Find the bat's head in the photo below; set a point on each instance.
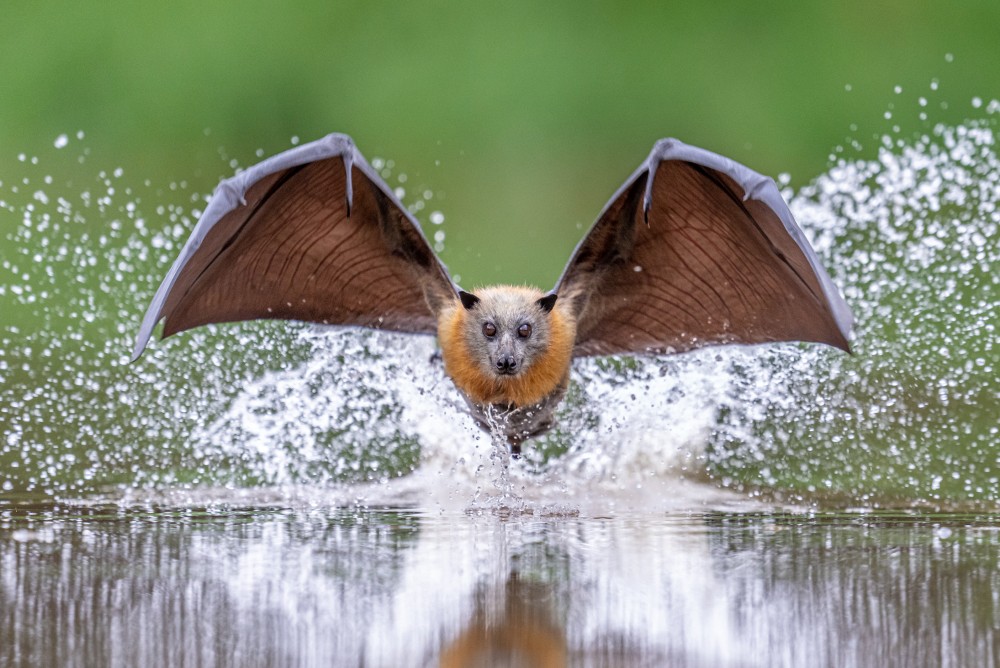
(508, 329)
(507, 345)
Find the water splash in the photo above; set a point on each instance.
(913, 414)
(910, 236)
(367, 407)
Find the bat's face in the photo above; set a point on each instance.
(507, 345)
(507, 329)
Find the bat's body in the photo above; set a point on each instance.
(693, 250)
(513, 378)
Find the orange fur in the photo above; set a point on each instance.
(536, 382)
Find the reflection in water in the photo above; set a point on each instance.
(512, 628)
(341, 587)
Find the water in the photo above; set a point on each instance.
(276, 494)
(102, 585)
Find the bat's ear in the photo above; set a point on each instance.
(468, 299)
(547, 302)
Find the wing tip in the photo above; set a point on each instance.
(841, 319)
(149, 320)
(136, 354)
(841, 342)
(142, 339)
(140, 347)
(843, 316)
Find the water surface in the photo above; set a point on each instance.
(274, 586)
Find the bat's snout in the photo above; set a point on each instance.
(506, 365)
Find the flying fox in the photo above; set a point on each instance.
(693, 250)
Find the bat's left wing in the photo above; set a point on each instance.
(694, 250)
(310, 234)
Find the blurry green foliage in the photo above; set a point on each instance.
(522, 117)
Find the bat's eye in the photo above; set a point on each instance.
(524, 331)
(490, 330)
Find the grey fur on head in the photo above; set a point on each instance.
(508, 351)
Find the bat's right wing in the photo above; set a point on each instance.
(311, 234)
(694, 250)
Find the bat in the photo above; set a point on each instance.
(693, 250)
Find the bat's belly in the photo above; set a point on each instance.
(518, 423)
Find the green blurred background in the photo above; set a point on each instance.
(522, 118)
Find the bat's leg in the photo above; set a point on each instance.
(515, 447)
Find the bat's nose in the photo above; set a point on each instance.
(506, 364)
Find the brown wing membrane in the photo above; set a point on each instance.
(312, 234)
(696, 250)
